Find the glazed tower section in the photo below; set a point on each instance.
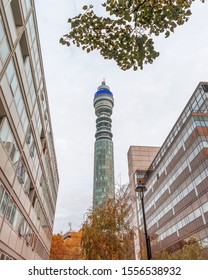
(103, 186)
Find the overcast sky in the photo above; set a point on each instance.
(147, 103)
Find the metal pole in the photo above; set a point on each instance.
(148, 247)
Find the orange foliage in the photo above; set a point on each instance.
(69, 249)
(73, 246)
(57, 248)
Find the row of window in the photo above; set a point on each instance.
(103, 152)
(104, 143)
(104, 184)
(34, 49)
(103, 128)
(104, 102)
(11, 75)
(4, 256)
(12, 78)
(51, 179)
(7, 139)
(25, 181)
(17, 94)
(18, 99)
(103, 123)
(15, 218)
(51, 211)
(10, 145)
(101, 195)
(185, 221)
(197, 104)
(104, 117)
(103, 157)
(103, 172)
(39, 83)
(98, 190)
(174, 176)
(180, 143)
(163, 210)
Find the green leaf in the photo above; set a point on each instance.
(167, 34)
(125, 34)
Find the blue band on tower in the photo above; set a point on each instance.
(103, 91)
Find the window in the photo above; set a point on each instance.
(22, 227)
(9, 143)
(36, 205)
(29, 78)
(3, 202)
(1, 192)
(30, 141)
(21, 171)
(4, 47)
(11, 210)
(26, 4)
(29, 236)
(29, 135)
(23, 178)
(17, 93)
(4, 256)
(37, 118)
(27, 185)
(17, 220)
(32, 149)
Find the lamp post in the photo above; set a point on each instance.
(141, 189)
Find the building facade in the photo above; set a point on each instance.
(176, 200)
(103, 185)
(28, 168)
(139, 159)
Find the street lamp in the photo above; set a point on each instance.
(141, 189)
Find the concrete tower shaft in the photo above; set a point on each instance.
(103, 187)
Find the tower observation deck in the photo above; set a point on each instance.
(103, 186)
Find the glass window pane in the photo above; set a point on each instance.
(9, 142)
(10, 71)
(1, 192)
(14, 84)
(4, 131)
(11, 220)
(4, 203)
(28, 4)
(20, 106)
(1, 31)
(17, 96)
(4, 50)
(9, 209)
(16, 158)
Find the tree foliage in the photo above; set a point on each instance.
(126, 33)
(57, 248)
(73, 246)
(107, 234)
(69, 249)
(191, 250)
